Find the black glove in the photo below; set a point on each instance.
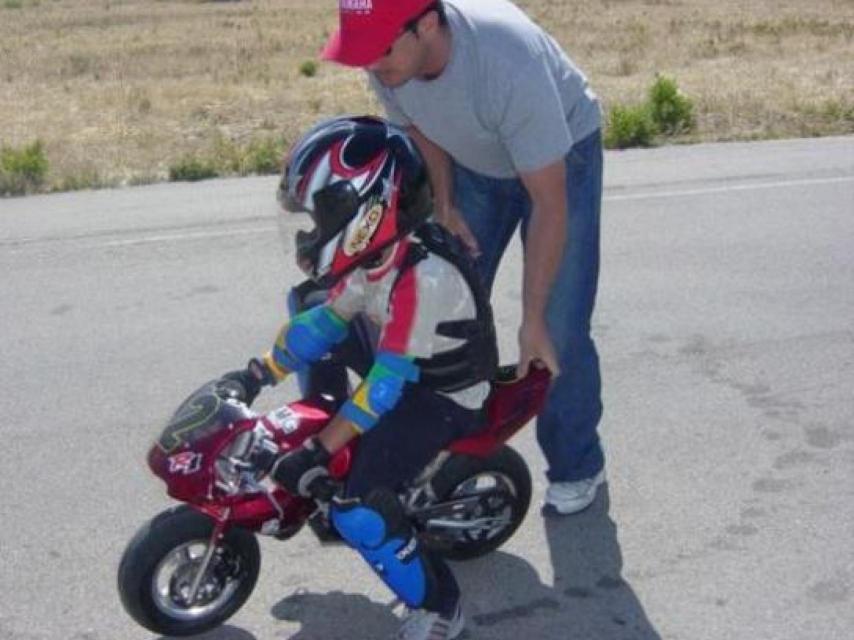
(249, 381)
(303, 471)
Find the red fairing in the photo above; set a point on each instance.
(188, 470)
(509, 408)
(253, 511)
(190, 475)
(185, 456)
(293, 424)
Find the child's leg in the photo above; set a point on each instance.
(373, 521)
(407, 438)
(377, 527)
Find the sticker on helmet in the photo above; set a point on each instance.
(363, 230)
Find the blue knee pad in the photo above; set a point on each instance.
(388, 547)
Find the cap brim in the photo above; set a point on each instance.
(354, 51)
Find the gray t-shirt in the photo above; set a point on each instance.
(509, 99)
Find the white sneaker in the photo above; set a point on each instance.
(572, 497)
(421, 624)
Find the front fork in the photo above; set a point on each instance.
(220, 525)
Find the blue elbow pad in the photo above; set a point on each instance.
(395, 365)
(309, 337)
(384, 394)
(381, 390)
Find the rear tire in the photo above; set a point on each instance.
(462, 475)
(152, 595)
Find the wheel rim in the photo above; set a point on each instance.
(498, 493)
(174, 575)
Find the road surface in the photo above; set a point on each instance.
(726, 328)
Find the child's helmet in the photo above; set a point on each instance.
(365, 185)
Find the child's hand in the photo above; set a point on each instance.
(301, 470)
(248, 382)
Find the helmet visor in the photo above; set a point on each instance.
(334, 206)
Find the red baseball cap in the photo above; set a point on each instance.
(368, 28)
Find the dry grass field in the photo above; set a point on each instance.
(119, 90)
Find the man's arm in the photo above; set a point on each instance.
(439, 168)
(544, 247)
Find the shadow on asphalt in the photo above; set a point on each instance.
(225, 632)
(503, 595)
(337, 616)
(506, 599)
(596, 600)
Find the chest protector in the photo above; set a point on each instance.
(476, 359)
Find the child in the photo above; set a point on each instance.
(365, 186)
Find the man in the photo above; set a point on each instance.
(511, 134)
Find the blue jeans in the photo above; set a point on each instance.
(493, 208)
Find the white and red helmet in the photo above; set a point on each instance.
(365, 185)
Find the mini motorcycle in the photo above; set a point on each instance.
(193, 566)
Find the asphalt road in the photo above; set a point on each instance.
(726, 327)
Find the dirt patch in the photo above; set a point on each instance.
(119, 90)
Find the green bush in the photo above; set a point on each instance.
(308, 68)
(22, 170)
(229, 158)
(226, 156)
(629, 126)
(192, 169)
(263, 157)
(671, 110)
(84, 179)
(667, 112)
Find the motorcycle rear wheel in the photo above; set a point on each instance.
(502, 485)
(160, 563)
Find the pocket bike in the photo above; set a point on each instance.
(191, 567)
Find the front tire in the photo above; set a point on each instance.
(497, 490)
(161, 561)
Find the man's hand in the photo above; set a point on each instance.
(453, 221)
(439, 167)
(303, 470)
(535, 344)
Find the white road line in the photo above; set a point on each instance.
(724, 189)
(263, 228)
(172, 237)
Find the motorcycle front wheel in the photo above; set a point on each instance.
(160, 567)
(480, 502)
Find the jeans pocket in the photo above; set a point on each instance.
(581, 159)
(575, 159)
